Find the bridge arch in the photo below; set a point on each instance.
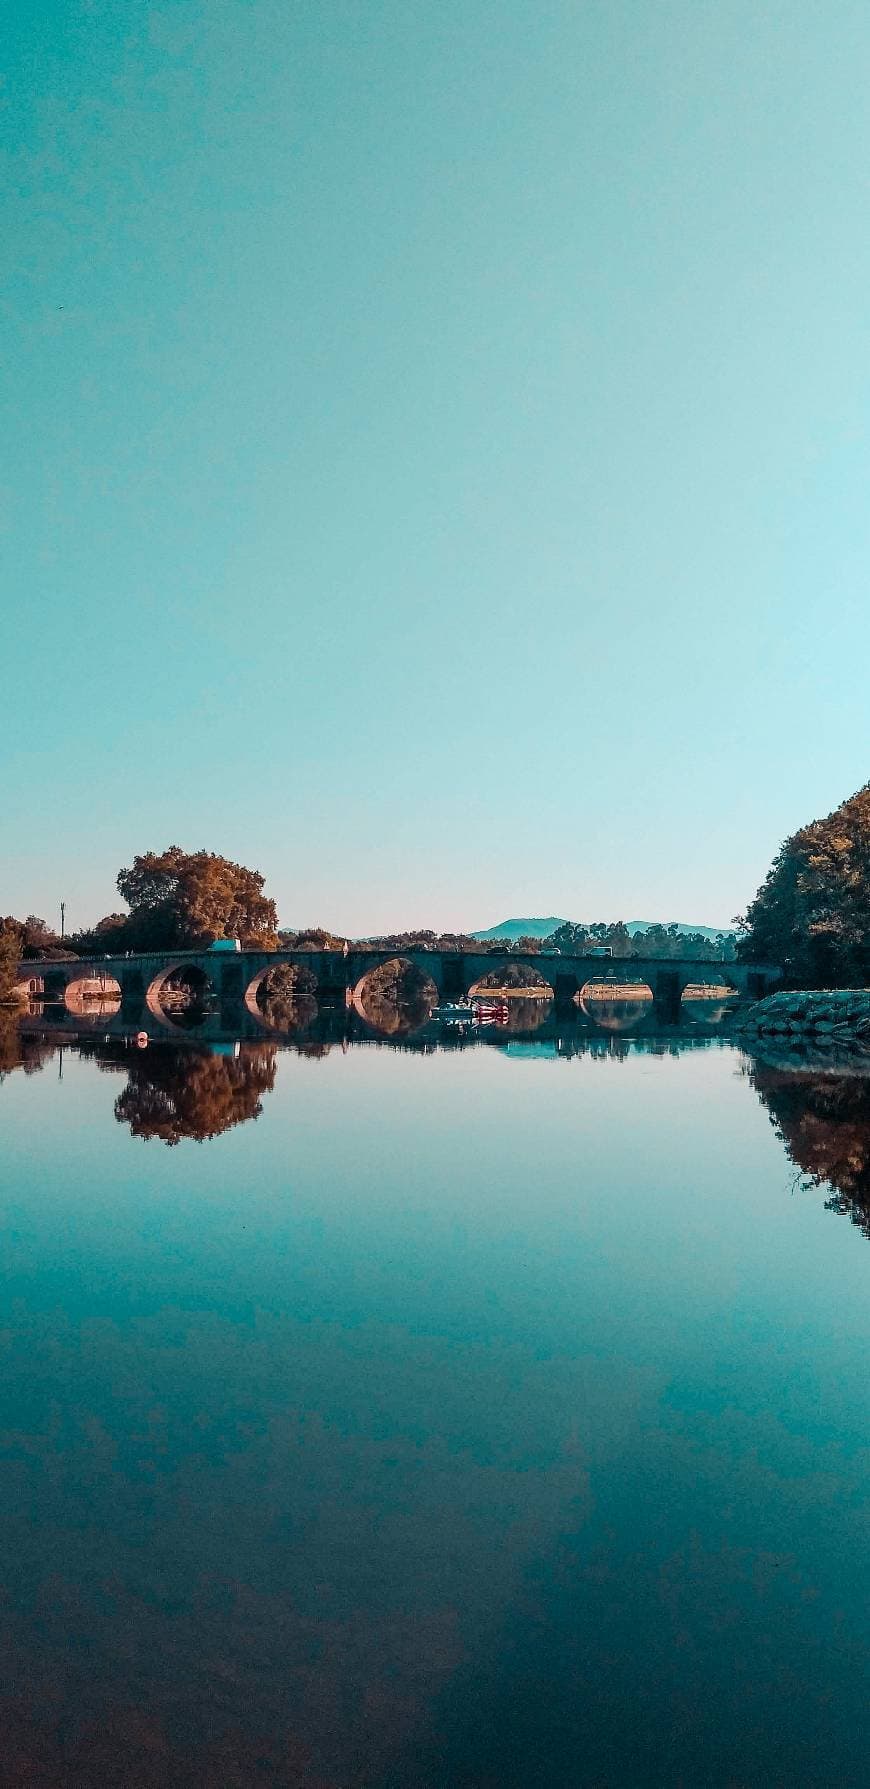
(292, 981)
(88, 986)
(516, 978)
(199, 983)
(395, 997)
(29, 987)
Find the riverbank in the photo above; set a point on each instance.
(839, 1014)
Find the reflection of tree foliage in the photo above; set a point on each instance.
(291, 1016)
(17, 1050)
(284, 996)
(824, 1122)
(524, 1015)
(184, 1093)
(398, 997)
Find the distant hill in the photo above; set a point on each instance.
(541, 928)
(521, 928)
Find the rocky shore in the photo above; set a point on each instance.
(841, 1015)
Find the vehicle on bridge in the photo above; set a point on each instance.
(225, 944)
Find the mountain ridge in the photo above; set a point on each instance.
(512, 929)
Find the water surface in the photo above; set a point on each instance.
(475, 1417)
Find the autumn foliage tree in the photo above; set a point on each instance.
(812, 912)
(184, 899)
(9, 954)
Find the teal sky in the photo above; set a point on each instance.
(435, 448)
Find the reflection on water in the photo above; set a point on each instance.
(396, 998)
(21, 1047)
(401, 1011)
(819, 1105)
(485, 1416)
(197, 1087)
(291, 1018)
(821, 1111)
(173, 1093)
(617, 1015)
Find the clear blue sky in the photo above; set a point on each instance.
(436, 448)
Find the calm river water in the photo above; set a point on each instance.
(471, 1418)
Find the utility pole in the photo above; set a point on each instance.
(62, 918)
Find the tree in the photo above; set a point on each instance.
(313, 938)
(812, 912)
(112, 935)
(510, 975)
(185, 899)
(10, 951)
(38, 934)
(569, 937)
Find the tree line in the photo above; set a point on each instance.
(656, 941)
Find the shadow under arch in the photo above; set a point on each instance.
(199, 984)
(616, 1005)
(291, 981)
(395, 998)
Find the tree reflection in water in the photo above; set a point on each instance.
(172, 1093)
(524, 1015)
(397, 998)
(823, 1118)
(17, 1049)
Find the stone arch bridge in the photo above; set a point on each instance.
(231, 979)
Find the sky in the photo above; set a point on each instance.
(435, 449)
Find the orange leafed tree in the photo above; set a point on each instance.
(187, 898)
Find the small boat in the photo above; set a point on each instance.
(471, 1012)
(492, 1012)
(455, 1012)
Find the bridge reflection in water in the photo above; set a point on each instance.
(192, 1087)
(305, 1022)
(195, 1086)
